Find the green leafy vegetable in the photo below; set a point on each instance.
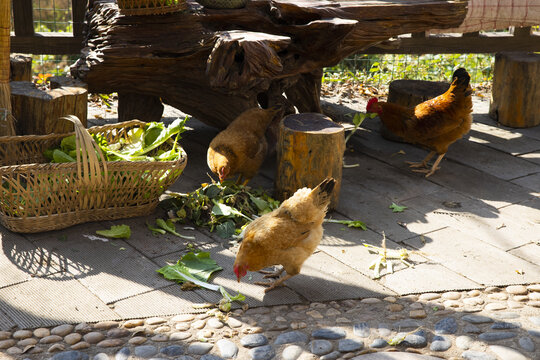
(61, 157)
(156, 230)
(357, 120)
(171, 228)
(396, 208)
(197, 266)
(349, 223)
(116, 231)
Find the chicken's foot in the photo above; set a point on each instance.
(433, 168)
(423, 164)
(272, 274)
(273, 284)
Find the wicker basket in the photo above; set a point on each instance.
(37, 196)
(150, 7)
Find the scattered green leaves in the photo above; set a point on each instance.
(349, 223)
(397, 208)
(357, 120)
(168, 226)
(116, 232)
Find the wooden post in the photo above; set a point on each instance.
(21, 67)
(37, 111)
(310, 147)
(515, 98)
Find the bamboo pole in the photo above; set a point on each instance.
(7, 122)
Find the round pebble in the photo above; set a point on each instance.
(145, 351)
(199, 348)
(331, 356)
(517, 290)
(291, 352)
(291, 337)
(62, 330)
(93, 337)
(378, 343)
(333, 333)
(215, 323)
(6, 344)
(108, 343)
(527, 344)
(137, 340)
(234, 323)
(133, 323)
(199, 324)
(440, 343)
(70, 355)
(416, 340)
(80, 345)
(477, 319)
(180, 335)
(183, 318)
(253, 340)
(105, 325)
(361, 329)
(495, 336)
(507, 353)
(265, 352)
(172, 350)
(155, 321)
(22, 334)
(51, 339)
(42, 332)
(27, 342)
(447, 325)
(227, 348)
(73, 338)
(122, 354)
(101, 356)
(477, 355)
(349, 345)
(320, 347)
(464, 342)
(451, 295)
(495, 306)
(429, 296)
(117, 333)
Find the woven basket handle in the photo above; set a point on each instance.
(91, 170)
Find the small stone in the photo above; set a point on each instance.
(447, 325)
(384, 330)
(172, 350)
(199, 348)
(278, 327)
(108, 343)
(495, 306)
(227, 348)
(534, 333)
(534, 288)
(378, 343)
(298, 325)
(101, 356)
(440, 343)
(51, 339)
(80, 345)
(416, 340)
(320, 347)
(411, 298)
(314, 314)
(452, 304)
(416, 306)
(22, 334)
(291, 337)
(507, 315)
(361, 329)
(105, 325)
(498, 296)
(73, 338)
(14, 351)
(155, 320)
(265, 352)
(70, 355)
(180, 335)
(333, 333)
(477, 355)
(182, 326)
(145, 351)
(117, 333)
(291, 352)
(390, 299)
(332, 312)
(207, 357)
(464, 342)
(495, 336)
(137, 340)
(492, 289)
(183, 318)
(451, 295)
(133, 323)
(370, 301)
(535, 320)
(477, 319)
(215, 323)
(342, 320)
(521, 298)
(474, 293)
(162, 329)
(42, 332)
(93, 337)
(406, 324)
(394, 307)
(350, 345)
(534, 304)
(199, 324)
(296, 316)
(503, 325)
(160, 338)
(507, 353)
(471, 329)
(234, 323)
(417, 314)
(534, 296)
(122, 354)
(27, 342)
(429, 296)
(473, 301)
(516, 290)
(62, 330)
(527, 344)
(56, 348)
(253, 340)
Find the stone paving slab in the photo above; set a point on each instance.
(475, 259)
(531, 182)
(505, 140)
(52, 301)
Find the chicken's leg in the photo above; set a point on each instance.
(273, 284)
(434, 168)
(423, 163)
(272, 274)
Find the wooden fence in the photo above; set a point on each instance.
(26, 40)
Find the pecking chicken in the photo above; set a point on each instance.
(287, 236)
(435, 123)
(242, 146)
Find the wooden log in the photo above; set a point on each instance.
(38, 111)
(20, 67)
(515, 97)
(410, 93)
(141, 107)
(310, 147)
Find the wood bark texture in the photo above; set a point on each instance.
(515, 97)
(310, 148)
(21, 67)
(39, 111)
(214, 64)
(141, 107)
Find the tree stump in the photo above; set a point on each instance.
(515, 97)
(410, 93)
(20, 67)
(38, 111)
(310, 148)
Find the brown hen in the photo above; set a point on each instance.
(435, 123)
(287, 236)
(241, 148)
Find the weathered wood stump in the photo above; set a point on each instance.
(20, 67)
(215, 64)
(515, 97)
(38, 111)
(410, 93)
(310, 147)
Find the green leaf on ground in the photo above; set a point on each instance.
(116, 232)
(350, 223)
(199, 266)
(396, 208)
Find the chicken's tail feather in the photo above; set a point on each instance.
(324, 190)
